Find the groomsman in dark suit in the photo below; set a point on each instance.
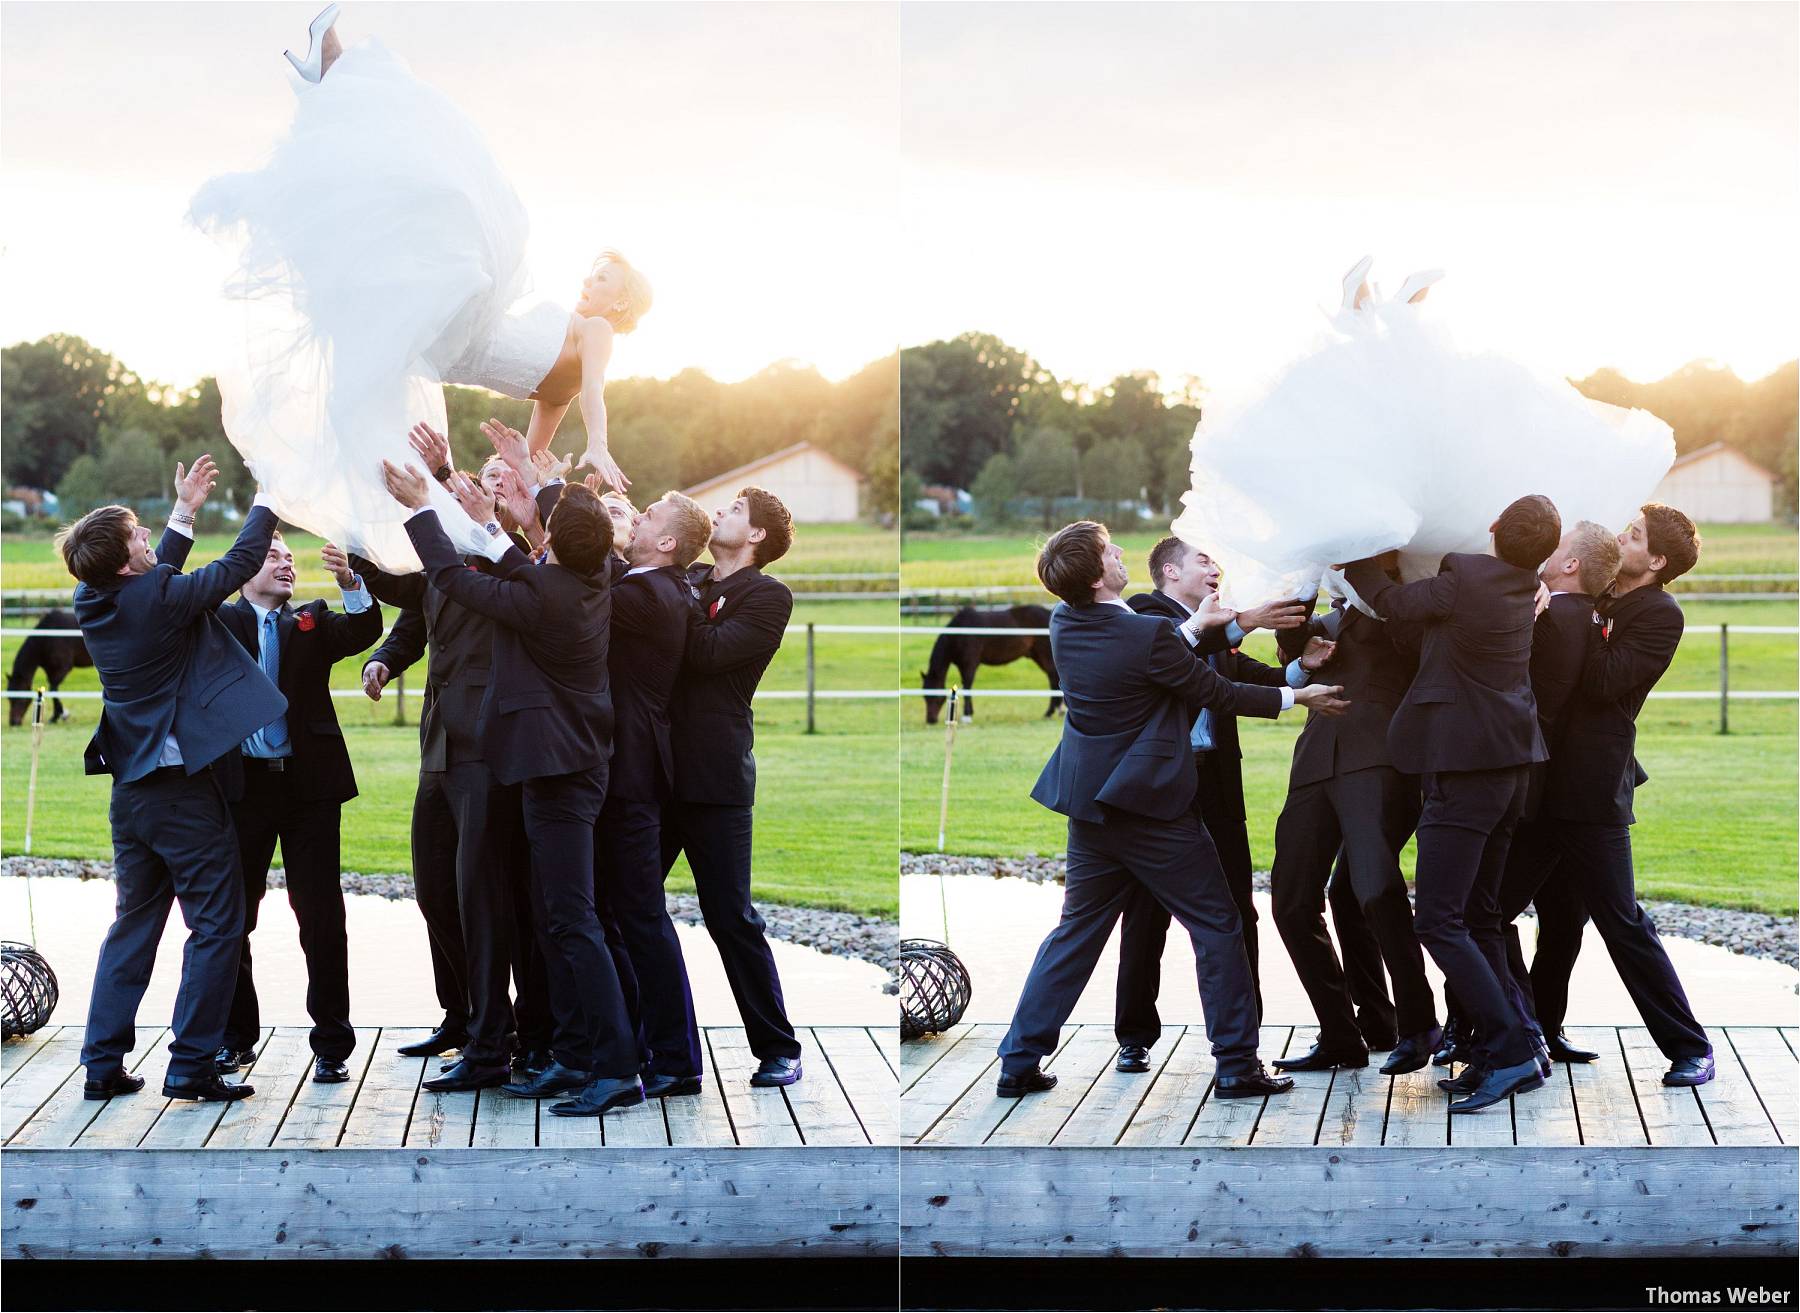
(1468, 727)
(650, 616)
(739, 618)
(1348, 804)
(1124, 775)
(1183, 577)
(289, 783)
(178, 693)
(1588, 794)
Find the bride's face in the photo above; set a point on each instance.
(602, 292)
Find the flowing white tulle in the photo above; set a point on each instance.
(380, 243)
(1387, 435)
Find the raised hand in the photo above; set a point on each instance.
(475, 500)
(518, 501)
(192, 487)
(433, 447)
(374, 678)
(1318, 652)
(605, 466)
(407, 486)
(1325, 699)
(509, 446)
(1543, 593)
(332, 557)
(1212, 613)
(549, 465)
(1289, 613)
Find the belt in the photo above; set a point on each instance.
(266, 763)
(169, 773)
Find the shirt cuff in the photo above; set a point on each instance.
(1287, 699)
(357, 599)
(1297, 675)
(1235, 633)
(1189, 630)
(418, 511)
(495, 548)
(185, 530)
(263, 499)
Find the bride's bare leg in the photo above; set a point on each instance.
(330, 48)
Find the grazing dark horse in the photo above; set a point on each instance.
(969, 652)
(56, 657)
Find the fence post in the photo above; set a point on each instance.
(37, 744)
(949, 747)
(809, 677)
(400, 698)
(1724, 680)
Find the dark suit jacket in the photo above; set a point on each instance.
(1594, 773)
(650, 617)
(734, 630)
(1470, 705)
(1131, 687)
(320, 765)
(548, 708)
(167, 665)
(1375, 663)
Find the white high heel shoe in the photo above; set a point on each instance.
(1413, 290)
(1356, 282)
(312, 68)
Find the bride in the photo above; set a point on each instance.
(381, 256)
(1407, 441)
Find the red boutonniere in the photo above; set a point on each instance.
(712, 612)
(304, 622)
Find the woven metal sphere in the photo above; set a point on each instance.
(934, 988)
(27, 988)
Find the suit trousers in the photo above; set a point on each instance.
(1366, 815)
(1465, 829)
(1108, 863)
(716, 840)
(628, 876)
(1145, 932)
(593, 1028)
(1363, 970)
(172, 843)
(1590, 867)
(309, 836)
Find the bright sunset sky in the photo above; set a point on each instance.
(743, 156)
(1179, 188)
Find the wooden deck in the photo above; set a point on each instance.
(1349, 1163)
(378, 1167)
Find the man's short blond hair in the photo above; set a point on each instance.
(691, 526)
(1596, 548)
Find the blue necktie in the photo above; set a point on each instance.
(1200, 737)
(275, 733)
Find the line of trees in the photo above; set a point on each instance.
(82, 423)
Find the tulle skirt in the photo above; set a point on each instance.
(1386, 435)
(379, 242)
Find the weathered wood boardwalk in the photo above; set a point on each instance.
(378, 1167)
(1603, 1159)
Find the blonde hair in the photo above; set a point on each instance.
(691, 526)
(1594, 546)
(637, 292)
(618, 499)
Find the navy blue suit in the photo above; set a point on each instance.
(168, 667)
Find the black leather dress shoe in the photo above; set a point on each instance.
(329, 1071)
(1501, 1084)
(777, 1071)
(228, 1060)
(532, 1061)
(1016, 1085)
(1563, 1051)
(1320, 1058)
(466, 1075)
(1379, 1038)
(670, 1087)
(1689, 1071)
(600, 1096)
(1466, 1083)
(552, 1080)
(436, 1044)
(110, 1087)
(1412, 1052)
(204, 1089)
(1453, 1048)
(1251, 1085)
(1133, 1057)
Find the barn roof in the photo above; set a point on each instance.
(763, 462)
(1713, 449)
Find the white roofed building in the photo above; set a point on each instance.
(815, 486)
(1717, 483)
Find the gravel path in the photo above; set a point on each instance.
(842, 934)
(1752, 934)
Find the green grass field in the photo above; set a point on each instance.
(1717, 822)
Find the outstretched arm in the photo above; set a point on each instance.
(359, 624)
(188, 595)
(506, 601)
(1173, 665)
(749, 631)
(1416, 603)
(596, 344)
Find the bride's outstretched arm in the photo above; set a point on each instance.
(545, 419)
(596, 354)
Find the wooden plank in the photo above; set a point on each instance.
(918, 1056)
(972, 1062)
(384, 1104)
(973, 1116)
(1671, 1114)
(1178, 1094)
(444, 1120)
(1792, 1035)
(1604, 1102)
(1773, 1071)
(1418, 1114)
(856, 1059)
(1491, 1127)
(181, 1123)
(1294, 1118)
(1116, 1097)
(1356, 1109)
(318, 1113)
(996, 1202)
(567, 1132)
(1547, 1116)
(282, 1067)
(640, 1126)
(1734, 1113)
(818, 1102)
(1037, 1119)
(503, 1122)
(758, 1116)
(1233, 1121)
(38, 1080)
(15, 1053)
(887, 1043)
(628, 1204)
(69, 1111)
(700, 1119)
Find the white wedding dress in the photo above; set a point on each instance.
(1387, 435)
(382, 250)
